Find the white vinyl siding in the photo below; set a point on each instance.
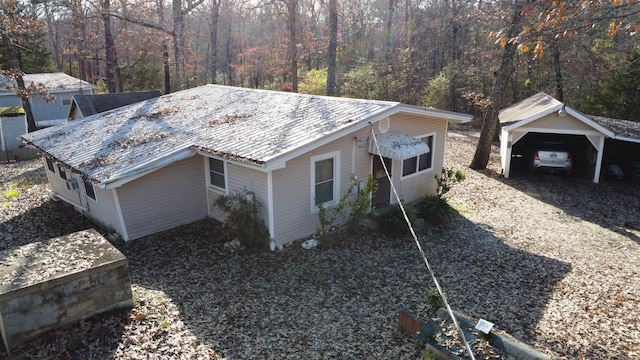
(292, 188)
(166, 198)
(554, 122)
(239, 178)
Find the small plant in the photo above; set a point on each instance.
(356, 209)
(391, 220)
(448, 177)
(10, 194)
(434, 299)
(241, 218)
(435, 208)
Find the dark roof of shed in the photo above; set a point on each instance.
(622, 128)
(95, 104)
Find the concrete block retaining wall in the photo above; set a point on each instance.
(30, 307)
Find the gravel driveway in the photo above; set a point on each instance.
(553, 261)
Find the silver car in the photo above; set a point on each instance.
(553, 157)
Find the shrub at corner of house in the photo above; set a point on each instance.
(434, 209)
(391, 220)
(241, 219)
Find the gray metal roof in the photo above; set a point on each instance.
(94, 104)
(623, 129)
(247, 125)
(52, 82)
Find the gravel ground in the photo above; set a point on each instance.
(553, 261)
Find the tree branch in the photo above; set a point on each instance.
(139, 22)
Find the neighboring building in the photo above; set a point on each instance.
(87, 105)
(541, 117)
(60, 85)
(157, 164)
(13, 123)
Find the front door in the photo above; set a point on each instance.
(383, 192)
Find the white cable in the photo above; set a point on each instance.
(424, 257)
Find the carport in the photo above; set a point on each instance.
(542, 115)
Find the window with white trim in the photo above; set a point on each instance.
(325, 179)
(422, 162)
(217, 173)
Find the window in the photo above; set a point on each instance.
(50, 166)
(88, 189)
(62, 172)
(325, 179)
(216, 173)
(419, 163)
(66, 99)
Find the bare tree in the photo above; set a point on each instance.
(332, 87)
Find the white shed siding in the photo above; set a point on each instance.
(555, 122)
(291, 185)
(103, 209)
(241, 177)
(59, 186)
(166, 198)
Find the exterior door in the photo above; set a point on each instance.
(383, 193)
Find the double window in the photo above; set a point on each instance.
(325, 177)
(421, 162)
(217, 173)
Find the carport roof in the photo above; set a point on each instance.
(623, 129)
(542, 104)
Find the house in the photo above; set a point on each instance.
(157, 164)
(87, 105)
(593, 141)
(62, 86)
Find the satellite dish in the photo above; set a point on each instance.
(383, 125)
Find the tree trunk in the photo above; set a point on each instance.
(558, 70)
(491, 123)
(332, 87)
(213, 59)
(110, 48)
(12, 58)
(165, 51)
(178, 45)
(292, 7)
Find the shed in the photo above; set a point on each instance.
(543, 115)
(163, 162)
(13, 123)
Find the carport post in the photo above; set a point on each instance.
(505, 152)
(596, 175)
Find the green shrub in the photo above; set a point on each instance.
(241, 218)
(434, 209)
(391, 221)
(434, 299)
